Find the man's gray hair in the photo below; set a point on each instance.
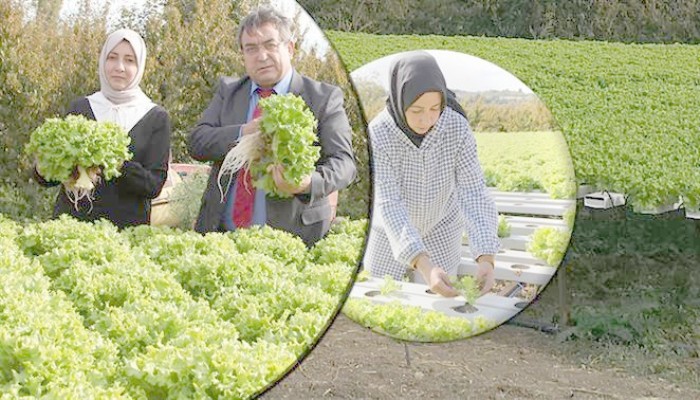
(266, 15)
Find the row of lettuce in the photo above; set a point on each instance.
(527, 162)
(87, 311)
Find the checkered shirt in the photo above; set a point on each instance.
(425, 196)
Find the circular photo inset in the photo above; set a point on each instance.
(185, 196)
(473, 196)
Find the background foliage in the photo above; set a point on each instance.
(487, 111)
(624, 21)
(191, 44)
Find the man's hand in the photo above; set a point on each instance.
(436, 277)
(284, 186)
(484, 273)
(250, 127)
(36, 166)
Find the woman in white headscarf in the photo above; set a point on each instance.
(126, 200)
(428, 184)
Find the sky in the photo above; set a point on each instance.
(71, 7)
(314, 35)
(462, 72)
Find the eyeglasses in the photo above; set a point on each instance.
(269, 46)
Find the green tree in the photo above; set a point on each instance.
(45, 66)
(626, 21)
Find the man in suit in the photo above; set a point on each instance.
(267, 45)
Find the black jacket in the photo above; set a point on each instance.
(125, 200)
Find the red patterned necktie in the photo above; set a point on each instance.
(245, 192)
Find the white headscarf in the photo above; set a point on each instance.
(124, 107)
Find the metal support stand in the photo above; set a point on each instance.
(534, 324)
(564, 313)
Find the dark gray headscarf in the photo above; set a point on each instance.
(413, 74)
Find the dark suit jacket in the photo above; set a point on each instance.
(126, 200)
(305, 215)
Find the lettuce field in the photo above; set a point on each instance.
(87, 311)
(527, 161)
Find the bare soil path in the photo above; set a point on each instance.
(511, 362)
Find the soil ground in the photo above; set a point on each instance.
(510, 362)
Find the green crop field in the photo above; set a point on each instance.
(526, 161)
(628, 111)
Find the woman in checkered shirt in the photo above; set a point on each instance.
(428, 184)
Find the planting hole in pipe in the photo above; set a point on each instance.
(465, 309)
